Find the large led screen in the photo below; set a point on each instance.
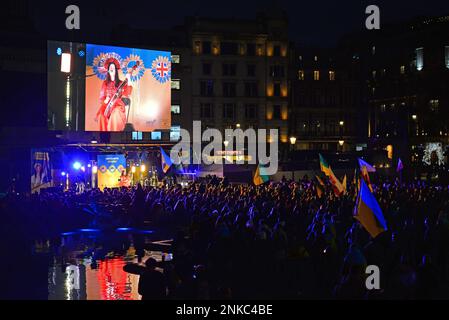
(110, 89)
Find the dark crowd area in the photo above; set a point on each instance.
(273, 241)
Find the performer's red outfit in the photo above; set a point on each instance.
(117, 119)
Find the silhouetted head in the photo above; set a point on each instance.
(151, 263)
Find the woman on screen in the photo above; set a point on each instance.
(112, 113)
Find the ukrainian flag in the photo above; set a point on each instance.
(260, 177)
(324, 166)
(368, 212)
(166, 161)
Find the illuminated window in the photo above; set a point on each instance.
(447, 56)
(197, 46)
(176, 109)
(175, 133)
(331, 75)
(402, 69)
(434, 105)
(175, 58)
(176, 84)
(156, 135)
(137, 135)
(316, 75)
(419, 59)
(301, 75)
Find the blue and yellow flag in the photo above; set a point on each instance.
(368, 212)
(369, 168)
(166, 161)
(260, 177)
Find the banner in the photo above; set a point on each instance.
(110, 168)
(40, 170)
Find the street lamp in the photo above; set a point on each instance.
(341, 142)
(342, 123)
(292, 143)
(414, 117)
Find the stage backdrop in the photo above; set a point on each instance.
(150, 73)
(110, 168)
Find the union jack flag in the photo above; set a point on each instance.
(161, 69)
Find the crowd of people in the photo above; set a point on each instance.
(273, 241)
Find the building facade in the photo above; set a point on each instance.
(406, 72)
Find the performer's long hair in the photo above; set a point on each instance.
(116, 80)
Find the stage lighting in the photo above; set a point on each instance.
(65, 62)
(142, 168)
(59, 51)
(83, 168)
(94, 169)
(77, 165)
(89, 165)
(63, 173)
(133, 169)
(81, 53)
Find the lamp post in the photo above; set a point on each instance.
(292, 144)
(341, 143)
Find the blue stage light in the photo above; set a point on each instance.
(89, 230)
(77, 165)
(124, 229)
(59, 51)
(81, 53)
(63, 173)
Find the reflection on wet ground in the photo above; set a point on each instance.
(88, 264)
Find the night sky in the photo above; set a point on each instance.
(315, 22)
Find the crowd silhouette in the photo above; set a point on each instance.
(273, 241)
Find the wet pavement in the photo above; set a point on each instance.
(87, 264)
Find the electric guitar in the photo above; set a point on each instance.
(117, 95)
